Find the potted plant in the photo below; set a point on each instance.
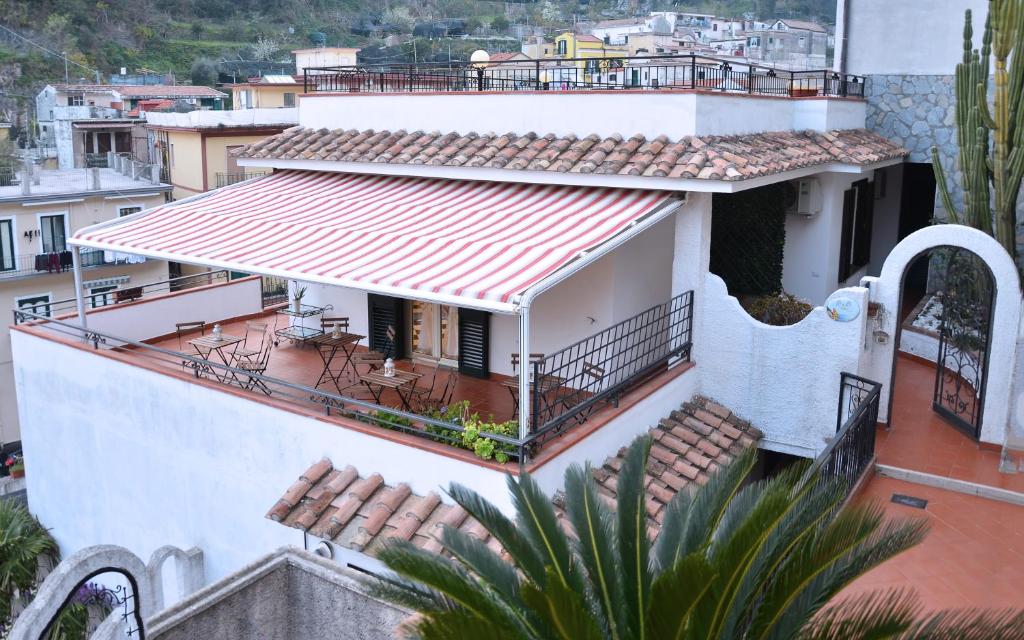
(15, 464)
(298, 293)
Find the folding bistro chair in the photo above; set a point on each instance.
(245, 350)
(513, 384)
(183, 329)
(257, 367)
(327, 324)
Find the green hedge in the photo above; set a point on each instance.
(748, 233)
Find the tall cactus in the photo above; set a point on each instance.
(991, 138)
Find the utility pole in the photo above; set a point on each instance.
(64, 54)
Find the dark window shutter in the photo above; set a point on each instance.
(474, 342)
(849, 199)
(385, 312)
(863, 224)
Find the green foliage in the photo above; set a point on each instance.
(204, 72)
(473, 435)
(990, 138)
(735, 559)
(779, 309)
(500, 24)
(748, 235)
(24, 544)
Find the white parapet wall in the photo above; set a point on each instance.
(139, 458)
(785, 380)
(157, 316)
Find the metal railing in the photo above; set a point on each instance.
(9, 177)
(569, 384)
(850, 453)
(133, 293)
(631, 351)
(97, 160)
(275, 290)
(52, 262)
(226, 179)
(580, 74)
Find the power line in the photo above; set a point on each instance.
(53, 53)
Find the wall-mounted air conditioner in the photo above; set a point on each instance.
(803, 197)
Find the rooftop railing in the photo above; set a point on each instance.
(53, 262)
(228, 179)
(671, 72)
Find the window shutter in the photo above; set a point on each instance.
(849, 198)
(384, 312)
(474, 342)
(863, 224)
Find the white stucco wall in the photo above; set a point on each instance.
(785, 380)
(651, 114)
(913, 37)
(1006, 319)
(183, 464)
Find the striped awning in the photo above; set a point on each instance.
(478, 244)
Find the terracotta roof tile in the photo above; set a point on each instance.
(729, 158)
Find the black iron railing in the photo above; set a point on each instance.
(582, 74)
(850, 453)
(8, 177)
(275, 290)
(132, 293)
(571, 383)
(227, 179)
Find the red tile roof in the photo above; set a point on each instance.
(702, 157)
(168, 91)
(361, 512)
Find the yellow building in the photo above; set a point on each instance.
(267, 92)
(195, 147)
(36, 221)
(595, 61)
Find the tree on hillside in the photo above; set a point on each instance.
(500, 24)
(204, 72)
(734, 559)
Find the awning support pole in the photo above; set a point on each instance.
(524, 373)
(76, 264)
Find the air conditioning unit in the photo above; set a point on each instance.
(803, 197)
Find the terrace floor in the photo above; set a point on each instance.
(302, 365)
(919, 440)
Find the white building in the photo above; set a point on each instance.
(602, 253)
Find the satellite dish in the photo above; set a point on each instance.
(479, 59)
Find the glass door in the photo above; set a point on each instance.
(52, 233)
(434, 331)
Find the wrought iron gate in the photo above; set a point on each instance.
(968, 295)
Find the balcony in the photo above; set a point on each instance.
(59, 262)
(681, 72)
(227, 179)
(577, 387)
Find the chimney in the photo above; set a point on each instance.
(94, 179)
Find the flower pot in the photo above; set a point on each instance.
(296, 305)
(18, 473)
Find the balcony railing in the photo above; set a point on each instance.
(850, 453)
(627, 354)
(133, 293)
(54, 262)
(583, 74)
(226, 179)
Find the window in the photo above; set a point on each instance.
(101, 296)
(858, 218)
(38, 304)
(803, 42)
(76, 100)
(563, 47)
(127, 211)
(171, 147)
(714, 27)
(7, 245)
(52, 230)
(289, 99)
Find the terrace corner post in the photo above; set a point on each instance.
(524, 373)
(76, 264)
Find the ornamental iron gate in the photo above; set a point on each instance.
(968, 296)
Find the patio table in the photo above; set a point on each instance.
(402, 380)
(208, 345)
(329, 348)
(546, 383)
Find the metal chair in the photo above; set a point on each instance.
(244, 351)
(422, 396)
(513, 385)
(327, 324)
(449, 387)
(184, 328)
(255, 368)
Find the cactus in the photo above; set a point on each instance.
(990, 138)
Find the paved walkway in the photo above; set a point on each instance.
(920, 440)
(972, 557)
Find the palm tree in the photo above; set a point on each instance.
(24, 543)
(734, 559)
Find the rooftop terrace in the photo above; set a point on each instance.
(73, 182)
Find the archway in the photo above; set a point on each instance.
(992, 396)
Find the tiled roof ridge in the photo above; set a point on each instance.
(361, 513)
(705, 157)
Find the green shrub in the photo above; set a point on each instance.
(779, 309)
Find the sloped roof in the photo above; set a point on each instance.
(361, 512)
(805, 25)
(696, 157)
(168, 91)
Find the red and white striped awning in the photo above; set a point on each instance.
(478, 244)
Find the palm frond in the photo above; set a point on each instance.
(634, 545)
(675, 594)
(538, 523)
(969, 624)
(561, 611)
(595, 545)
(460, 623)
(876, 615)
